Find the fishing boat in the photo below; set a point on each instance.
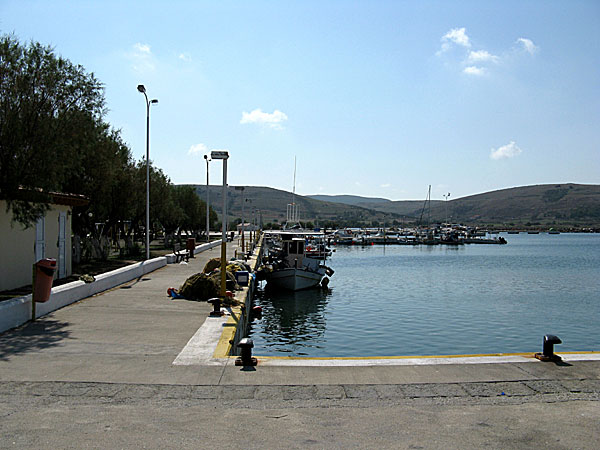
(451, 238)
(289, 267)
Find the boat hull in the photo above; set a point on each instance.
(293, 279)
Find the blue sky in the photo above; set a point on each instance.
(377, 98)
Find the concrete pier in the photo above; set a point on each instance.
(102, 373)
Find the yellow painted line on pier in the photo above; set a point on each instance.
(321, 358)
(223, 348)
(343, 358)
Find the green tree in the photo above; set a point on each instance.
(48, 106)
(193, 209)
(105, 175)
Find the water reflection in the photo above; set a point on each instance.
(292, 322)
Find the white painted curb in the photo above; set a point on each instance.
(17, 311)
(172, 258)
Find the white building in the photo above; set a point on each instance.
(49, 238)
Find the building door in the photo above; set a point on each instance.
(62, 248)
(40, 244)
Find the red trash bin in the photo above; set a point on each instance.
(44, 275)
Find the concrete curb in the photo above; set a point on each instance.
(172, 258)
(17, 311)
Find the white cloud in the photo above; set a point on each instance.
(185, 57)
(142, 48)
(273, 120)
(482, 56)
(474, 70)
(509, 150)
(198, 149)
(385, 185)
(528, 45)
(142, 60)
(457, 36)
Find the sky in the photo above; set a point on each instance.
(371, 98)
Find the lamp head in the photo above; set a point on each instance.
(219, 154)
(154, 100)
(141, 88)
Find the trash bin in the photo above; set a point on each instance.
(191, 246)
(242, 276)
(44, 274)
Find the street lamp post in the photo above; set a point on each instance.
(221, 154)
(251, 209)
(207, 200)
(446, 203)
(142, 89)
(241, 188)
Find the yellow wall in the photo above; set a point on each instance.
(17, 246)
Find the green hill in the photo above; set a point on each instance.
(559, 205)
(272, 204)
(350, 199)
(546, 204)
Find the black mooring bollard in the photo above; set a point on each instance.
(216, 312)
(548, 348)
(549, 341)
(246, 358)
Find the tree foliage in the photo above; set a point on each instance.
(53, 138)
(48, 106)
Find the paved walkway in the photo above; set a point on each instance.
(100, 374)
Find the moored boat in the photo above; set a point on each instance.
(288, 265)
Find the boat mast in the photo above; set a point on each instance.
(292, 208)
(427, 199)
(429, 208)
(294, 188)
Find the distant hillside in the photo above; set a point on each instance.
(551, 204)
(354, 200)
(541, 204)
(272, 203)
(544, 204)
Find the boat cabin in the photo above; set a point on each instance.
(293, 250)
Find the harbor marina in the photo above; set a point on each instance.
(441, 300)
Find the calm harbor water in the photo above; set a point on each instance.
(442, 300)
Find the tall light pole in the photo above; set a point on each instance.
(241, 188)
(446, 203)
(251, 209)
(224, 155)
(207, 200)
(142, 89)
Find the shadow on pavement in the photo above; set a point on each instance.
(34, 336)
